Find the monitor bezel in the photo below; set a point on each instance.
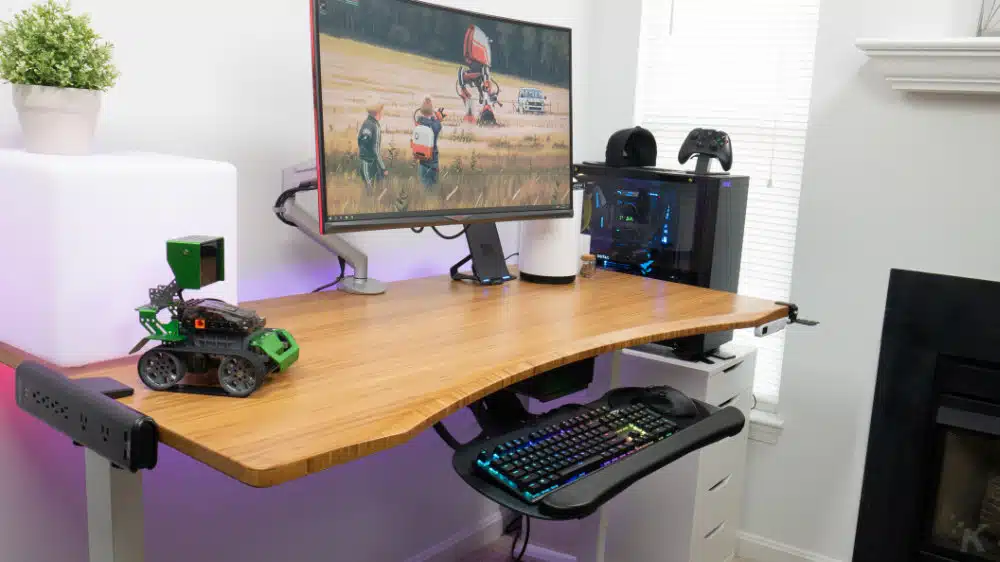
(445, 216)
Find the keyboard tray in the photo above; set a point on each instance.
(584, 496)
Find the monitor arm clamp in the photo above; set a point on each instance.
(291, 212)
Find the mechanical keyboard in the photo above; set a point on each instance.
(540, 461)
(566, 463)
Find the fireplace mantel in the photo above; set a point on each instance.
(957, 65)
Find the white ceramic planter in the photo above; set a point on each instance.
(57, 120)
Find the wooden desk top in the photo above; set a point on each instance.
(376, 371)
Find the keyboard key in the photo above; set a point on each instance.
(517, 473)
(507, 467)
(543, 482)
(525, 480)
(534, 487)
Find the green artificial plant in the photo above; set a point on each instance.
(46, 45)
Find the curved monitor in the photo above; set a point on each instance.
(428, 115)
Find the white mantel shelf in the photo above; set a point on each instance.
(955, 65)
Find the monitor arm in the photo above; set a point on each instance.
(293, 213)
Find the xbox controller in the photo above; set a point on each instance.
(708, 142)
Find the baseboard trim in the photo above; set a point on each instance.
(484, 533)
(754, 548)
(546, 555)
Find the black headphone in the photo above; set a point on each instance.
(630, 148)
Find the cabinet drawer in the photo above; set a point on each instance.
(721, 504)
(730, 382)
(718, 546)
(727, 456)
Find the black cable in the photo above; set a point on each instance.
(512, 255)
(343, 264)
(288, 194)
(447, 237)
(524, 545)
(419, 229)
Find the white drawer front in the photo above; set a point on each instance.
(730, 382)
(723, 458)
(718, 546)
(718, 505)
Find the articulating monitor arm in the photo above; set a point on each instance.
(286, 208)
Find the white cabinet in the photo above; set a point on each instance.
(690, 510)
(84, 239)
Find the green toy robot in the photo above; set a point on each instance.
(207, 334)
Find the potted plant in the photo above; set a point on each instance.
(58, 67)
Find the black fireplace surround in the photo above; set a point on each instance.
(931, 489)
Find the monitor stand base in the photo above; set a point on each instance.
(357, 284)
(486, 254)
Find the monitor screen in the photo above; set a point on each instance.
(429, 115)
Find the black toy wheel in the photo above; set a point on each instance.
(238, 376)
(161, 370)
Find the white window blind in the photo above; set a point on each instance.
(745, 67)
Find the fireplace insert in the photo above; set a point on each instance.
(931, 488)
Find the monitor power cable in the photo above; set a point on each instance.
(419, 229)
(335, 282)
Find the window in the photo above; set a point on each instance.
(745, 67)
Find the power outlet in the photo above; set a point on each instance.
(117, 432)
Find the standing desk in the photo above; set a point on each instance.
(376, 371)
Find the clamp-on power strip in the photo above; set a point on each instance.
(778, 325)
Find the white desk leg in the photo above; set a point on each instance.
(594, 529)
(114, 511)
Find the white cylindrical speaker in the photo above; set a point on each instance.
(550, 249)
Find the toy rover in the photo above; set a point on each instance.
(202, 335)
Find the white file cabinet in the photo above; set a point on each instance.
(690, 510)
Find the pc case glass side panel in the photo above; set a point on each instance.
(645, 227)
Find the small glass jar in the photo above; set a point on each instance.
(588, 265)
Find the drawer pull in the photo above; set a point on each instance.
(720, 483)
(715, 531)
(730, 401)
(732, 368)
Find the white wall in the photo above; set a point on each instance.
(230, 81)
(890, 180)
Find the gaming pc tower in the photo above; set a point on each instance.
(671, 225)
(420, 123)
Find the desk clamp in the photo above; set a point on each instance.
(779, 324)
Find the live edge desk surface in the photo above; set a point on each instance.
(376, 371)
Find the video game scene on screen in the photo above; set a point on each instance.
(429, 110)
